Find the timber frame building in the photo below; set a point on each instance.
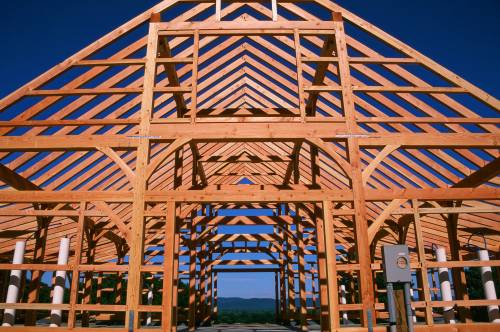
(345, 138)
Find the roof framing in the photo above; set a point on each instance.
(331, 117)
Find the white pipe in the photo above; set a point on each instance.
(14, 284)
(149, 318)
(444, 280)
(60, 283)
(343, 300)
(489, 286)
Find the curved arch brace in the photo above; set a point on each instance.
(114, 219)
(387, 150)
(119, 161)
(164, 155)
(377, 224)
(341, 162)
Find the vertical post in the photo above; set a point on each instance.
(399, 298)
(459, 280)
(192, 278)
(360, 221)
(75, 274)
(118, 289)
(136, 257)
(423, 264)
(445, 285)
(291, 277)
(60, 281)
(168, 265)
(36, 276)
(324, 312)
(301, 267)
(208, 312)
(489, 286)
(99, 288)
(277, 297)
(175, 275)
(313, 288)
(216, 305)
(284, 316)
(300, 78)
(194, 81)
(331, 265)
(89, 276)
(203, 281)
(9, 315)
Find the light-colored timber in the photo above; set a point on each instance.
(220, 109)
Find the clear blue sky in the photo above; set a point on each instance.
(460, 34)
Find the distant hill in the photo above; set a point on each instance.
(240, 304)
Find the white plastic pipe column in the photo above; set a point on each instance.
(489, 286)
(14, 284)
(149, 318)
(343, 300)
(444, 280)
(58, 294)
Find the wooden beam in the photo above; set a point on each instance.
(251, 195)
(331, 264)
(136, 255)
(170, 230)
(365, 281)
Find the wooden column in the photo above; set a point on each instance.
(118, 289)
(136, 254)
(192, 277)
(283, 262)
(168, 311)
(175, 274)
(301, 269)
(36, 275)
(421, 257)
(203, 281)
(89, 276)
(208, 310)
(329, 313)
(277, 297)
(322, 274)
(291, 277)
(459, 281)
(361, 226)
(75, 276)
(216, 306)
(313, 289)
(99, 288)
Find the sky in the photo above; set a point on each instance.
(461, 35)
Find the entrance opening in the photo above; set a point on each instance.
(247, 298)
